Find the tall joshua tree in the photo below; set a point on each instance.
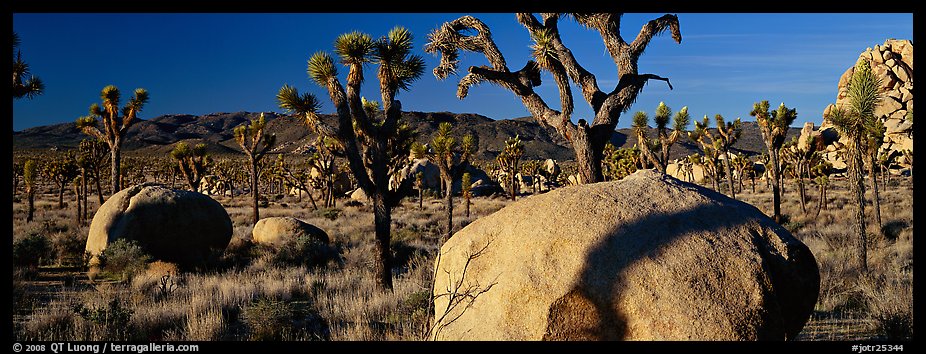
(664, 139)
(61, 171)
(255, 144)
(550, 54)
(726, 136)
(24, 84)
(774, 126)
(192, 163)
(115, 122)
(374, 140)
(451, 159)
(856, 121)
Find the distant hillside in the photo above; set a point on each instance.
(157, 135)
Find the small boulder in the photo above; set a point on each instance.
(276, 231)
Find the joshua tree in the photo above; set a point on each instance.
(29, 174)
(664, 139)
(466, 186)
(255, 144)
(821, 176)
(727, 134)
(550, 54)
(192, 163)
(508, 161)
(295, 179)
(774, 126)
(419, 183)
(745, 167)
(322, 160)
(855, 122)
(61, 171)
(374, 140)
(532, 168)
(33, 86)
(78, 196)
(451, 159)
(115, 122)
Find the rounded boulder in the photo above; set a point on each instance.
(171, 225)
(645, 258)
(278, 230)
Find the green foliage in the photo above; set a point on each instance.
(123, 259)
(466, 184)
(70, 248)
(663, 113)
(330, 213)
(620, 162)
(31, 250)
(29, 173)
(192, 162)
(321, 68)
(24, 84)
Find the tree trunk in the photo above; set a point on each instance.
(61, 196)
(30, 191)
(801, 193)
(382, 219)
(588, 161)
(467, 206)
(448, 211)
(875, 196)
(77, 216)
(752, 182)
(420, 196)
(776, 191)
(83, 192)
(861, 242)
(254, 192)
(99, 188)
(726, 166)
(116, 159)
(820, 202)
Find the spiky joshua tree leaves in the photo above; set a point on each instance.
(375, 142)
(24, 84)
(255, 144)
(664, 139)
(857, 121)
(774, 126)
(192, 162)
(114, 121)
(468, 33)
(452, 159)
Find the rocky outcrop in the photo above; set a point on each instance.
(892, 62)
(599, 262)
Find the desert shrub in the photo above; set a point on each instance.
(238, 253)
(123, 259)
(31, 251)
(330, 213)
(268, 319)
(306, 251)
(111, 319)
(70, 249)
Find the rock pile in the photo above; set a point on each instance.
(892, 62)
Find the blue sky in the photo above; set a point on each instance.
(205, 63)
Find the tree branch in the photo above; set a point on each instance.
(652, 29)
